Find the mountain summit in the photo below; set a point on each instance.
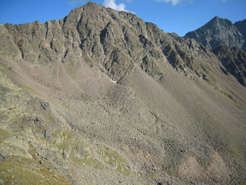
(217, 32)
(221, 35)
(102, 97)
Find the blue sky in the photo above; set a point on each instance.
(178, 16)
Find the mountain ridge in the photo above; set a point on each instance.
(101, 97)
(219, 31)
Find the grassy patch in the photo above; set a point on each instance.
(66, 139)
(115, 160)
(87, 160)
(69, 139)
(3, 135)
(22, 173)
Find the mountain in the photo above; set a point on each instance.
(234, 60)
(221, 35)
(241, 26)
(102, 97)
(218, 32)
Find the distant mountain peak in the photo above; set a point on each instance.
(217, 23)
(217, 18)
(222, 21)
(218, 31)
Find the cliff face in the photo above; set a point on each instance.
(218, 32)
(101, 97)
(241, 26)
(234, 60)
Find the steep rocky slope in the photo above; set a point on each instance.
(234, 60)
(218, 32)
(220, 35)
(101, 97)
(241, 26)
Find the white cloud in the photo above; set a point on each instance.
(174, 2)
(112, 4)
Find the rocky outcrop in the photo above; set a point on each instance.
(234, 61)
(241, 26)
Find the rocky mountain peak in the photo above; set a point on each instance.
(217, 32)
(218, 20)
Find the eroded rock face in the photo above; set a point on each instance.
(114, 41)
(234, 60)
(241, 26)
(101, 97)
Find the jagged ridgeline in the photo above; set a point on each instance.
(218, 32)
(102, 97)
(221, 35)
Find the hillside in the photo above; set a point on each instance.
(102, 97)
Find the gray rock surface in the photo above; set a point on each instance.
(234, 61)
(217, 32)
(101, 97)
(241, 26)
